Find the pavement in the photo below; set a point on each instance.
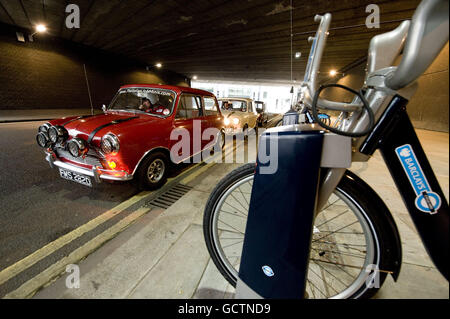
(7, 116)
(163, 255)
(160, 253)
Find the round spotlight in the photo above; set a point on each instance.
(77, 147)
(226, 121)
(235, 121)
(194, 77)
(333, 72)
(57, 134)
(158, 65)
(43, 140)
(44, 129)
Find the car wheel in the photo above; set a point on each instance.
(152, 173)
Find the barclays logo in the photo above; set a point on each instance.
(268, 271)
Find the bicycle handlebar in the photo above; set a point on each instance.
(312, 69)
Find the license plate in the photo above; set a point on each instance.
(71, 176)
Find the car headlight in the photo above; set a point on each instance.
(57, 134)
(235, 121)
(43, 140)
(77, 147)
(110, 144)
(226, 121)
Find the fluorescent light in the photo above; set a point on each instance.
(40, 28)
(333, 72)
(158, 65)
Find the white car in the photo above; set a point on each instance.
(239, 115)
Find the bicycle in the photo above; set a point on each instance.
(347, 240)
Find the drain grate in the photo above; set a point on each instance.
(168, 198)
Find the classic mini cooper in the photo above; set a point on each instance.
(132, 139)
(239, 115)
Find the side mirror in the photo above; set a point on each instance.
(104, 108)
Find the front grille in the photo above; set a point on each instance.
(91, 157)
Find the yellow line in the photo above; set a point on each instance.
(28, 289)
(50, 248)
(196, 173)
(25, 263)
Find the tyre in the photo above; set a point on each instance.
(347, 237)
(153, 171)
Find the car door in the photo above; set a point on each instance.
(212, 117)
(251, 115)
(189, 116)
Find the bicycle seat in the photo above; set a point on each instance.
(427, 36)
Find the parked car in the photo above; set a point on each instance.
(239, 115)
(131, 140)
(263, 117)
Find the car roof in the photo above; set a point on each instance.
(178, 89)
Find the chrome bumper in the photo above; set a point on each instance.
(95, 172)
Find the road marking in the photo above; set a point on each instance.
(29, 288)
(50, 248)
(196, 173)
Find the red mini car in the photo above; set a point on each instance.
(132, 139)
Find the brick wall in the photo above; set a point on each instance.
(49, 73)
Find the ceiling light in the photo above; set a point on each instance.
(40, 28)
(298, 55)
(194, 77)
(158, 65)
(333, 72)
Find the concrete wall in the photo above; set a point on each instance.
(429, 107)
(49, 73)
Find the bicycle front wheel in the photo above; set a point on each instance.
(344, 242)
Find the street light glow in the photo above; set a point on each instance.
(40, 28)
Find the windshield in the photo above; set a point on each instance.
(144, 100)
(233, 105)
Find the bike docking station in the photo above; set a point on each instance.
(281, 214)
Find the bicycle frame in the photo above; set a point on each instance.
(403, 154)
(393, 135)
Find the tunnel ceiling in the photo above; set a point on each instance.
(215, 39)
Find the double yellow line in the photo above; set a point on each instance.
(29, 287)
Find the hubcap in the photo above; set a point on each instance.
(156, 170)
